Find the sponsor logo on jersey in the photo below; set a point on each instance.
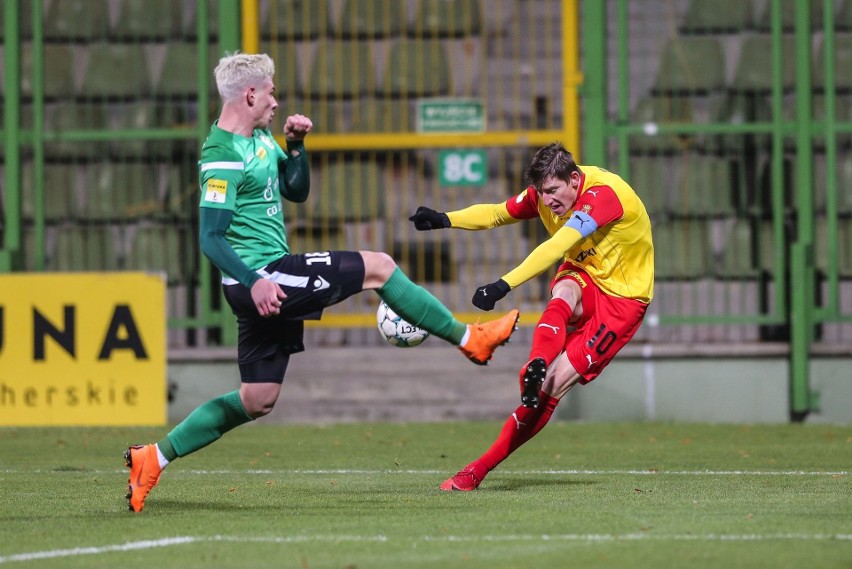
(573, 274)
(261, 153)
(216, 190)
(586, 208)
(584, 254)
(267, 141)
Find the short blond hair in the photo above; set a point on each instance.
(237, 71)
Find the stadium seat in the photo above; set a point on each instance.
(653, 178)
(681, 249)
(691, 65)
(58, 78)
(122, 191)
(347, 190)
(287, 58)
(158, 248)
(754, 68)
(341, 69)
(843, 180)
(148, 20)
(842, 65)
(843, 18)
(382, 115)
(370, 19)
(661, 110)
(89, 248)
(178, 76)
(446, 18)
(717, 17)
(417, 68)
(295, 19)
(704, 186)
(788, 15)
(735, 243)
(76, 20)
(69, 115)
(61, 191)
(116, 72)
(143, 114)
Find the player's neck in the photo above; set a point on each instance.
(231, 120)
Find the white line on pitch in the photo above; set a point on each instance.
(343, 471)
(590, 538)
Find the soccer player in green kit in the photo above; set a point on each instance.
(244, 174)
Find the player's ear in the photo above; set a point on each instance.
(251, 96)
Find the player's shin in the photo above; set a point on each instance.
(521, 426)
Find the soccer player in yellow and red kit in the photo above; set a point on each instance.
(601, 233)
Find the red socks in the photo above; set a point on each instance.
(549, 334)
(521, 426)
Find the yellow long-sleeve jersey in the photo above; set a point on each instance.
(607, 233)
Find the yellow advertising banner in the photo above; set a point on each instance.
(82, 349)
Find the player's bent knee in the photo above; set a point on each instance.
(378, 267)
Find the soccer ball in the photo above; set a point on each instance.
(397, 331)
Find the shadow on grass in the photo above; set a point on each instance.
(513, 484)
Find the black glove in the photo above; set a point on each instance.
(487, 296)
(425, 219)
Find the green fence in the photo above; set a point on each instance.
(733, 121)
(737, 131)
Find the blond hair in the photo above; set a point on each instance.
(237, 71)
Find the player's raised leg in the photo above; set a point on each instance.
(421, 308)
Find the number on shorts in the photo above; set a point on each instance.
(603, 338)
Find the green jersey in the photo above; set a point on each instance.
(241, 174)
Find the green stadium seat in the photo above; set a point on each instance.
(143, 114)
(446, 18)
(736, 248)
(754, 68)
(788, 15)
(76, 20)
(158, 248)
(417, 68)
(681, 249)
(843, 18)
(717, 17)
(842, 64)
(116, 72)
(341, 69)
(661, 110)
(691, 65)
(704, 187)
(382, 115)
(370, 19)
(346, 190)
(148, 20)
(69, 115)
(178, 76)
(84, 248)
(287, 71)
(58, 79)
(843, 180)
(61, 191)
(295, 19)
(653, 177)
(122, 191)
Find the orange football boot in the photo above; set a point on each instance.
(144, 474)
(485, 338)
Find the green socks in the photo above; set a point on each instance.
(204, 425)
(419, 307)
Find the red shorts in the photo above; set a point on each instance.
(607, 324)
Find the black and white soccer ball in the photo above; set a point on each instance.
(397, 331)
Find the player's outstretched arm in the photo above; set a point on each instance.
(426, 219)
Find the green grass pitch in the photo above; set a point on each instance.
(366, 496)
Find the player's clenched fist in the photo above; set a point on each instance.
(296, 127)
(487, 296)
(425, 219)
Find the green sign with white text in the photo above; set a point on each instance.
(463, 167)
(450, 115)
